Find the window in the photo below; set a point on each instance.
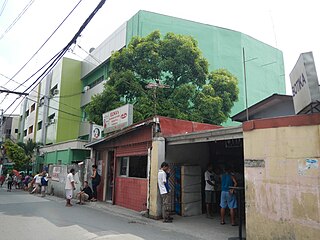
(41, 102)
(97, 81)
(51, 119)
(25, 132)
(16, 130)
(33, 107)
(124, 166)
(54, 90)
(30, 129)
(27, 113)
(40, 125)
(134, 166)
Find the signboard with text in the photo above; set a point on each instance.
(118, 118)
(304, 82)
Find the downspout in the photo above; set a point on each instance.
(114, 176)
(23, 119)
(148, 178)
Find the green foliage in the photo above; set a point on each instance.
(175, 61)
(16, 154)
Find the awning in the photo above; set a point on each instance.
(207, 136)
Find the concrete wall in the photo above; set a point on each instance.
(57, 186)
(282, 180)
(157, 157)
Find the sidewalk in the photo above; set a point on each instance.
(199, 227)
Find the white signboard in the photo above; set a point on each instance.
(55, 173)
(96, 133)
(304, 82)
(118, 118)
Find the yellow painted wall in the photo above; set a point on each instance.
(282, 191)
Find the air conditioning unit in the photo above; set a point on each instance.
(55, 92)
(52, 121)
(86, 88)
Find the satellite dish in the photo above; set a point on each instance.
(91, 50)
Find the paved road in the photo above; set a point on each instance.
(24, 216)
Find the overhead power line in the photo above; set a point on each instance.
(16, 19)
(39, 50)
(3, 6)
(60, 54)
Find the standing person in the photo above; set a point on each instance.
(228, 197)
(217, 189)
(164, 191)
(2, 179)
(209, 188)
(44, 183)
(70, 187)
(85, 194)
(37, 183)
(95, 178)
(9, 182)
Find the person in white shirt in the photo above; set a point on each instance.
(209, 188)
(164, 191)
(37, 183)
(70, 187)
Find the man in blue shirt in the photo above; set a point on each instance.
(228, 197)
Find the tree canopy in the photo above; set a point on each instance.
(16, 154)
(183, 86)
(20, 153)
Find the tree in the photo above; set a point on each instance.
(29, 147)
(175, 61)
(16, 154)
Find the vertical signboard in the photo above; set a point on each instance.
(118, 118)
(304, 82)
(96, 133)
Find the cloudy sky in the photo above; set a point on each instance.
(291, 26)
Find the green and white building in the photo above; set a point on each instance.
(51, 116)
(63, 127)
(223, 48)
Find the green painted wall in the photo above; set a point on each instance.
(223, 49)
(66, 156)
(69, 101)
(102, 70)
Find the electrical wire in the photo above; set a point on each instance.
(60, 54)
(40, 49)
(52, 98)
(3, 6)
(72, 51)
(16, 19)
(93, 57)
(57, 109)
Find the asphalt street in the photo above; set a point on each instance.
(24, 216)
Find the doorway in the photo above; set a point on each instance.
(110, 176)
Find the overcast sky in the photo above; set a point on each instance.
(291, 26)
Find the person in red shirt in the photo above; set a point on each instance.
(2, 179)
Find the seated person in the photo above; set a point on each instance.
(85, 194)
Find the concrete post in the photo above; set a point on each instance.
(157, 157)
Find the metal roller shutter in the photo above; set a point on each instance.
(133, 150)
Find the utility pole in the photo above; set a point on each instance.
(154, 86)
(1, 125)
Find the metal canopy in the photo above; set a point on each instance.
(207, 136)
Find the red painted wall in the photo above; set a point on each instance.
(131, 193)
(172, 126)
(298, 120)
